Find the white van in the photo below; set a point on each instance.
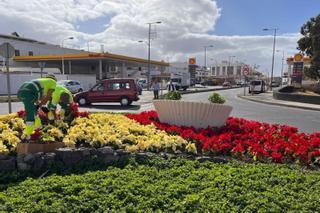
(257, 86)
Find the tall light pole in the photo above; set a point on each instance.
(230, 58)
(63, 53)
(273, 50)
(282, 63)
(149, 48)
(205, 54)
(205, 58)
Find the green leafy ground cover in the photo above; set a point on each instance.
(171, 185)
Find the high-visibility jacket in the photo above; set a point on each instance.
(57, 93)
(43, 85)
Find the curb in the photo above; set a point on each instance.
(207, 90)
(278, 104)
(4, 99)
(199, 91)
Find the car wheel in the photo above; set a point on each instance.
(82, 101)
(124, 101)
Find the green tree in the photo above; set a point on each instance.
(310, 45)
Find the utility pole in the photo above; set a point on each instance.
(62, 59)
(273, 51)
(149, 55)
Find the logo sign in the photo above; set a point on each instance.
(245, 69)
(42, 64)
(192, 61)
(7, 50)
(298, 57)
(296, 76)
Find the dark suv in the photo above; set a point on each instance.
(110, 90)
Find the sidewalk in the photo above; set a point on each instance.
(146, 97)
(267, 98)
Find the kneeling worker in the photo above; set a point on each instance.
(34, 94)
(64, 98)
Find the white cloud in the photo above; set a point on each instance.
(183, 32)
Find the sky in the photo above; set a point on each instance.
(233, 27)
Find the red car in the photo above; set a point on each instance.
(110, 90)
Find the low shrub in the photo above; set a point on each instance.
(170, 185)
(216, 98)
(173, 95)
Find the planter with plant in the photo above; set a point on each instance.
(195, 114)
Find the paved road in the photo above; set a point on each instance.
(305, 120)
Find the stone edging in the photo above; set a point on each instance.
(296, 97)
(68, 157)
(206, 90)
(277, 104)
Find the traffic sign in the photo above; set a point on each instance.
(245, 69)
(42, 64)
(7, 50)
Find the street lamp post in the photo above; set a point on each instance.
(205, 58)
(282, 64)
(230, 58)
(62, 60)
(149, 53)
(205, 55)
(273, 50)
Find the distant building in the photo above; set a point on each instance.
(58, 60)
(66, 63)
(30, 47)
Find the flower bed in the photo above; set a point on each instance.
(118, 131)
(95, 130)
(245, 139)
(239, 138)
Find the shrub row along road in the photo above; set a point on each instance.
(305, 120)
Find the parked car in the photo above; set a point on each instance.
(226, 84)
(275, 84)
(257, 86)
(240, 83)
(71, 85)
(143, 83)
(123, 91)
(208, 83)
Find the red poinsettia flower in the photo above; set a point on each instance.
(21, 113)
(36, 135)
(262, 140)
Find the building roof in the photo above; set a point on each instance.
(22, 39)
(86, 56)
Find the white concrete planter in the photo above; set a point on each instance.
(198, 115)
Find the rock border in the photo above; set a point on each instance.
(70, 157)
(296, 97)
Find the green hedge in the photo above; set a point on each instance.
(172, 185)
(173, 95)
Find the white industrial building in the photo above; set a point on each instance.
(223, 69)
(66, 63)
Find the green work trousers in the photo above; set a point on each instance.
(28, 94)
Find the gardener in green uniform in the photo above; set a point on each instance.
(34, 94)
(64, 98)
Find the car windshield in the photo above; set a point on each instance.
(176, 80)
(62, 82)
(255, 83)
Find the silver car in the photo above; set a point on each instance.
(71, 85)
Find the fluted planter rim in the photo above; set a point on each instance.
(188, 113)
